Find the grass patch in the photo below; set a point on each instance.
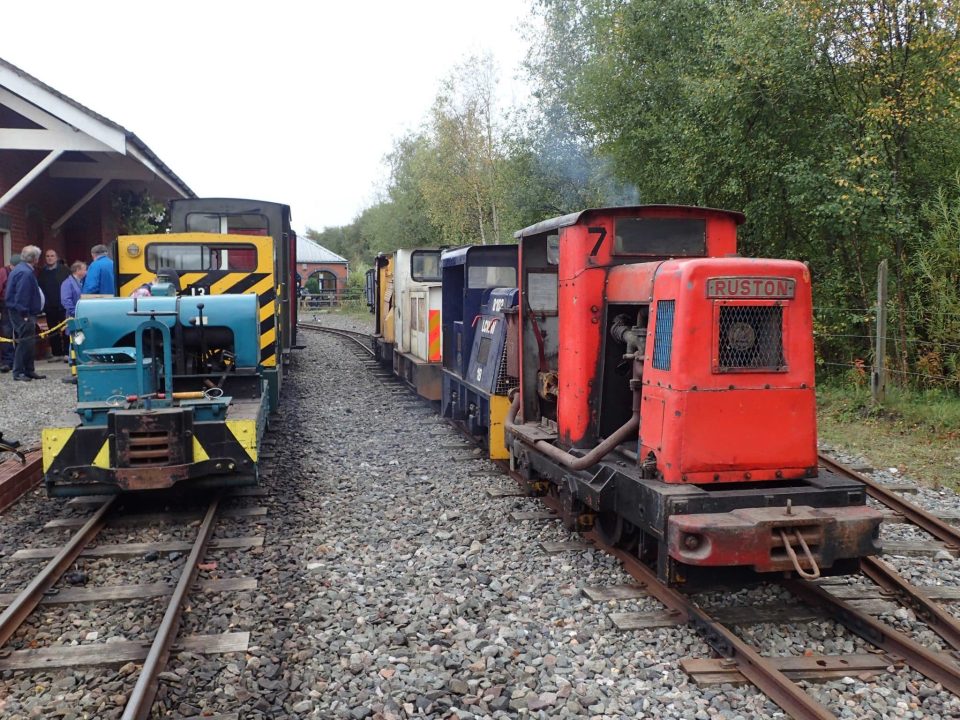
(916, 432)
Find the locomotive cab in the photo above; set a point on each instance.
(666, 396)
(415, 297)
(479, 307)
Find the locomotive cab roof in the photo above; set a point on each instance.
(563, 221)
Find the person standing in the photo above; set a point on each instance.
(52, 275)
(71, 288)
(6, 328)
(24, 302)
(69, 297)
(100, 279)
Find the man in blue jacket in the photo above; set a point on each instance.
(24, 303)
(100, 277)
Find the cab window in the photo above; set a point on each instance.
(661, 237)
(188, 257)
(425, 265)
(485, 276)
(241, 224)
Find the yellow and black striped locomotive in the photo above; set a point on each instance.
(176, 376)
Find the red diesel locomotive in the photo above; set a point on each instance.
(666, 396)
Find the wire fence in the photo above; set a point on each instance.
(846, 342)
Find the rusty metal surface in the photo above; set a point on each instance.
(30, 596)
(749, 536)
(935, 666)
(939, 620)
(918, 516)
(141, 697)
(151, 478)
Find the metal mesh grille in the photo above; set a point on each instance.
(751, 337)
(663, 337)
(504, 381)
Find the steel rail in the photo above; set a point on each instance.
(141, 698)
(28, 599)
(935, 666)
(346, 334)
(751, 664)
(918, 516)
(930, 612)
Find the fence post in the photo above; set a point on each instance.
(878, 379)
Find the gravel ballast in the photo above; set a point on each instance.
(391, 585)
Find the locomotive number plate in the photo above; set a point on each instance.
(751, 287)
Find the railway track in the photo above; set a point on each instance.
(50, 586)
(359, 339)
(769, 674)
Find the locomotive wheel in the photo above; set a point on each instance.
(570, 508)
(614, 530)
(610, 527)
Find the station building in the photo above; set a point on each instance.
(63, 168)
(330, 269)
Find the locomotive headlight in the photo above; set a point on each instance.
(741, 336)
(78, 337)
(133, 250)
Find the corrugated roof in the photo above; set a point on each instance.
(131, 137)
(309, 251)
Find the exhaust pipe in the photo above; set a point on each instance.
(573, 462)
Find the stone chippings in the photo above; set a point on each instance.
(392, 586)
(27, 407)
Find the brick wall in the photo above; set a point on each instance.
(34, 210)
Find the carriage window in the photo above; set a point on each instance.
(480, 276)
(425, 266)
(662, 237)
(542, 292)
(201, 257)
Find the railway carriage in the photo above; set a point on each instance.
(666, 396)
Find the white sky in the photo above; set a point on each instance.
(293, 101)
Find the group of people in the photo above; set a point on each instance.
(28, 289)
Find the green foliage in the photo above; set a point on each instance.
(828, 123)
(935, 270)
(139, 214)
(354, 297)
(833, 124)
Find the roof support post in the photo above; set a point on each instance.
(79, 204)
(29, 177)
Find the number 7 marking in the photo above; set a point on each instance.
(602, 232)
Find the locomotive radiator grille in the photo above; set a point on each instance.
(504, 381)
(663, 335)
(148, 448)
(750, 338)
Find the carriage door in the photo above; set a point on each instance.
(419, 340)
